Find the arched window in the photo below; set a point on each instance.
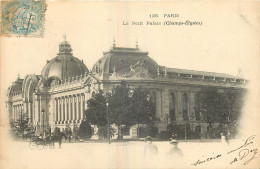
(79, 103)
(75, 108)
(185, 106)
(197, 111)
(172, 106)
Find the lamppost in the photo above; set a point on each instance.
(43, 119)
(108, 125)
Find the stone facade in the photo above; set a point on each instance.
(58, 97)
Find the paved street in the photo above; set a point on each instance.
(123, 155)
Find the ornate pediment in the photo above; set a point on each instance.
(139, 70)
(90, 79)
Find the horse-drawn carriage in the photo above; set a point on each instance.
(41, 142)
(38, 142)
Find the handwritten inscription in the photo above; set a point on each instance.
(245, 153)
(206, 160)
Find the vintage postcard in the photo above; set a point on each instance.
(98, 84)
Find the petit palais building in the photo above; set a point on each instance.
(58, 96)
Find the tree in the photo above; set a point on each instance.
(21, 127)
(221, 106)
(142, 109)
(119, 107)
(96, 111)
(85, 130)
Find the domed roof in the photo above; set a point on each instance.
(121, 60)
(64, 65)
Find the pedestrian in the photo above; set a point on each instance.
(174, 137)
(150, 148)
(223, 139)
(175, 151)
(150, 153)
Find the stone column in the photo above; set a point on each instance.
(82, 106)
(59, 109)
(52, 112)
(78, 105)
(69, 111)
(66, 109)
(25, 108)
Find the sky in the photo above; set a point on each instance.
(227, 40)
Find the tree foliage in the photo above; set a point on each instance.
(124, 107)
(142, 108)
(85, 130)
(120, 106)
(21, 128)
(96, 111)
(220, 106)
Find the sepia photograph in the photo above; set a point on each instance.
(100, 84)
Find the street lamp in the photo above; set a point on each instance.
(43, 119)
(108, 125)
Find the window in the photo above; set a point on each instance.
(71, 109)
(60, 113)
(63, 116)
(185, 106)
(57, 110)
(197, 111)
(172, 106)
(67, 109)
(75, 108)
(79, 108)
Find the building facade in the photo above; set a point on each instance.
(58, 96)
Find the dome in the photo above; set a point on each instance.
(121, 60)
(64, 65)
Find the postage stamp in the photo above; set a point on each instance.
(23, 18)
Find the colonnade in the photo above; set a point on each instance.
(17, 111)
(69, 109)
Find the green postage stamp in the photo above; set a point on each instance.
(23, 18)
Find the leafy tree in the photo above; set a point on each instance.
(85, 130)
(21, 127)
(119, 107)
(96, 111)
(102, 132)
(220, 106)
(142, 109)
